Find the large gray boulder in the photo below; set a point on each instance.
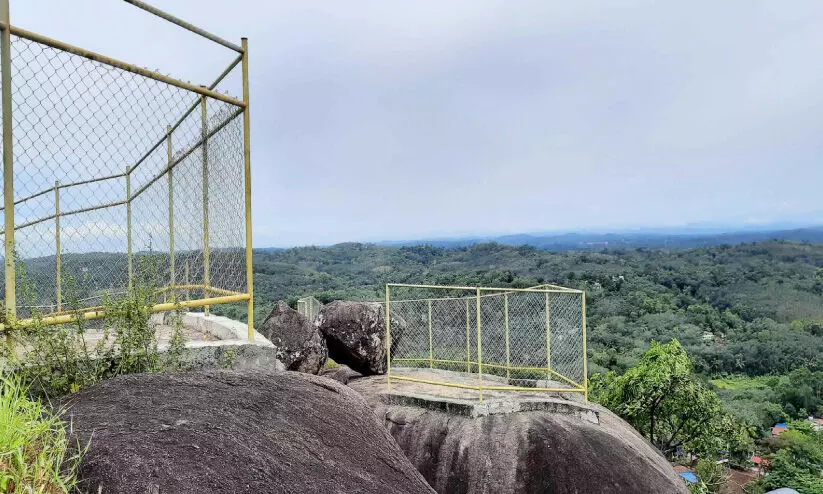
(300, 346)
(527, 451)
(225, 431)
(356, 334)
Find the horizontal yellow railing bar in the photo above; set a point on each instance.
(185, 25)
(92, 180)
(188, 112)
(28, 198)
(441, 287)
(462, 362)
(98, 314)
(67, 213)
(482, 289)
(557, 287)
(536, 369)
(469, 297)
(65, 186)
(92, 208)
(221, 291)
(542, 390)
(39, 38)
(440, 383)
(185, 155)
(496, 366)
(484, 388)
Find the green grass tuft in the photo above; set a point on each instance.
(35, 454)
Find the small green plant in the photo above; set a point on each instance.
(52, 360)
(174, 359)
(227, 358)
(56, 360)
(135, 342)
(35, 453)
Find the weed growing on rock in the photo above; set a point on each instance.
(174, 359)
(227, 359)
(55, 360)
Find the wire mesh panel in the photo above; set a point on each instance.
(118, 170)
(309, 307)
(488, 338)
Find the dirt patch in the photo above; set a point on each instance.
(279, 432)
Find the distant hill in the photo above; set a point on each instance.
(629, 240)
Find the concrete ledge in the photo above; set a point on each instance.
(236, 355)
(493, 406)
(223, 328)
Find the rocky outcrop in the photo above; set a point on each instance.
(355, 333)
(300, 346)
(342, 374)
(224, 431)
(525, 451)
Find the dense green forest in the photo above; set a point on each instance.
(751, 309)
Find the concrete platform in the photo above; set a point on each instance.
(472, 379)
(466, 402)
(491, 406)
(199, 331)
(210, 341)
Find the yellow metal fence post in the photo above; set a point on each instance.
(128, 227)
(244, 43)
(548, 339)
(8, 166)
(479, 351)
(57, 260)
(585, 356)
(172, 280)
(468, 340)
(205, 148)
(388, 338)
(186, 279)
(431, 347)
(506, 327)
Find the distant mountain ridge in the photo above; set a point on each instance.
(628, 240)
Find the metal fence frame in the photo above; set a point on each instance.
(309, 307)
(211, 295)
(478, 363)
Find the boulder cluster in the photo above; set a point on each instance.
(351, 333)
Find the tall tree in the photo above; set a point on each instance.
(664, 401)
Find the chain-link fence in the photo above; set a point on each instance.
(500, 339)
(111, 169)
(309, 307)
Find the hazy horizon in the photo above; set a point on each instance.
(378, 121)
(692, 229)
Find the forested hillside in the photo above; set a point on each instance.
(753, 309)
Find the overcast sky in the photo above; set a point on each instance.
(382, 119)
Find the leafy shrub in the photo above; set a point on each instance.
(55, 360)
